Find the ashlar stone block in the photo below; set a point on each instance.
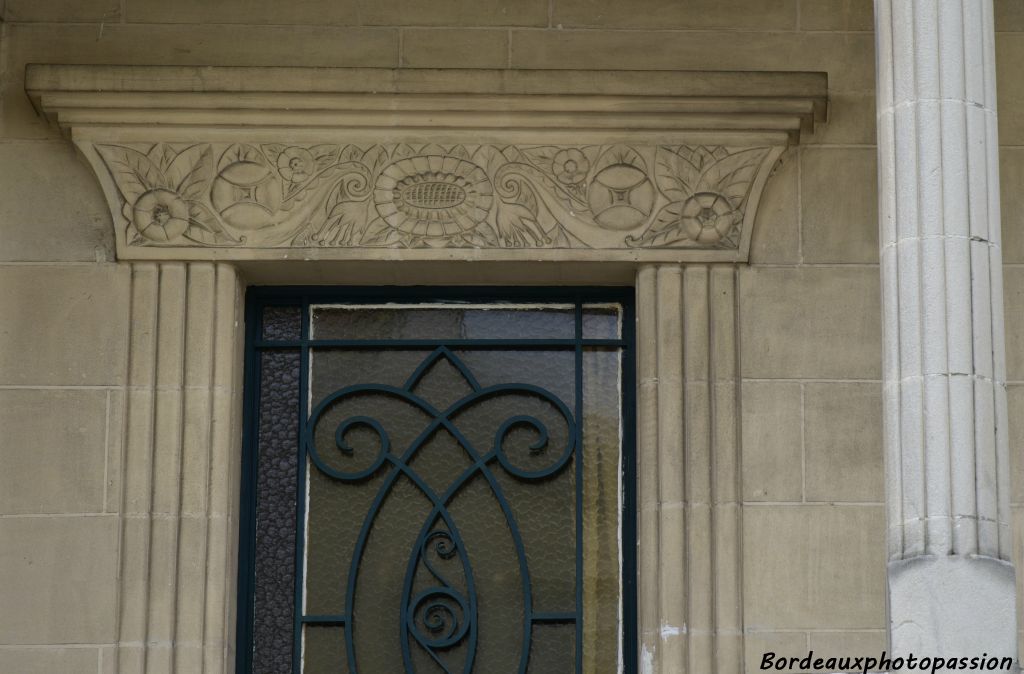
(1013, 299)
(1011, 178)
(71, 325)
(52, 449)
(1009, 15)
(811, 322)
(755, 14)
(313, 12)
(843, 436)
(454, 13)
(839, 15)
(839, 194)
(1010, 87)
(450, 48)
(782, 644)
(63, 11)
(772, 441)
(50, 205)
(814, 567)
(848, 58)
(1015, 417)
(58, 580)
(49, 660)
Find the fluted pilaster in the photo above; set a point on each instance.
(181, 454)
(689, 563)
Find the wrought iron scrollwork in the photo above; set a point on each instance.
(444, 615)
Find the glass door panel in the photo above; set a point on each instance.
(439, 486)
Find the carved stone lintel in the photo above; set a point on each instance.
(332, 196)
(196, 164)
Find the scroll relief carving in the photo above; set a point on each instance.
(436, 196)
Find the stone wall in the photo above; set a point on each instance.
(809, 319)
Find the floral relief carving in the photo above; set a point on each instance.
(708, 189)
(165, 193)
(434, 196)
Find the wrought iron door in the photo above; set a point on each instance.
(438, 481)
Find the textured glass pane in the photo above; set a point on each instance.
(602, 321)
(281, 323)
(381, 574)
(275, 512)
(424, 322)
(550, 370)
(547, 323)
(323, 650)
(553, 651)
(601, 508)
(492, 555)
(544, 511)
(332, 528)
(333, 368)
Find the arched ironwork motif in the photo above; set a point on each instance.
(440, 617)
(406, 509)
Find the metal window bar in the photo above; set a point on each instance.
(260, 298)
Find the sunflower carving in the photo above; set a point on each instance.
(433, 196)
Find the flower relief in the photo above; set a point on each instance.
(296, 164)
(160, 215)
(707, 191)
(164, 192)
(570, 166)
(707, 217)
(301, 168)
(432, 196)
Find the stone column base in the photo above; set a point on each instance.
(956, 606)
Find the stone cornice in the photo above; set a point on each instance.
(267, 163)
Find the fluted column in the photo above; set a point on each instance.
(951, 584)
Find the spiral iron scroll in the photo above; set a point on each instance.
(440, 617)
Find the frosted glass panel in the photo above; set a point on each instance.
(602, 321)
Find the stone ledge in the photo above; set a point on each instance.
(776, 98)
